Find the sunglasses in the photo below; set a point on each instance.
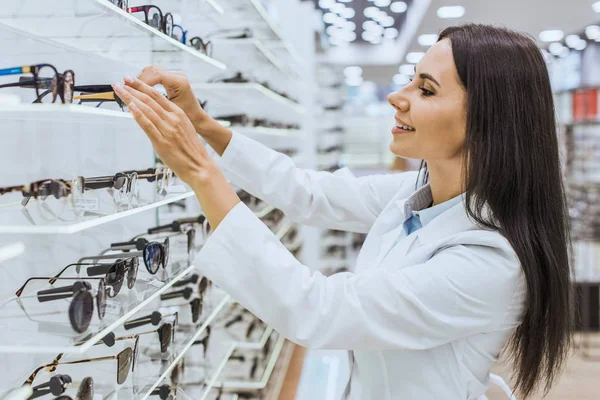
(115, 274)
(154, 254)
(187, 292)
(166, 336)
(81, 308)
(154, 17)
(125, 361)
(46, 80)
(58, 384)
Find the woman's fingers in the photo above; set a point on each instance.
(153, 111)
(138, 111)
(140, 86)
(127, 93)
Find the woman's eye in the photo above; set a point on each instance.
(426, 92)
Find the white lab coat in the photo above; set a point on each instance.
(423, 317)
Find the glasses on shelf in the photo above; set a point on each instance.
(59, 384)
(155, 254)
(197, 303)
(203, 46)
(126, 360)
(166, 336)
(123, 4)
(165, 392)
(205, 340)
(154, 17)
(47, 82)
(81, 308)
(245, 120)
(179, 33)
(115, 273)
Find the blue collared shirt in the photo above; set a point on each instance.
(420, 212)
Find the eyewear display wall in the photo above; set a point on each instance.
(77, 153)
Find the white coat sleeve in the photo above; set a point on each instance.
(460, 291)
(327, 200)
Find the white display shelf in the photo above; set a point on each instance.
(25, 335)
(65, 113)
(249, 98)
(272, 137)
(262, 383)
(11, 251)
(334, 262)
(186, 346)
(335, 241)
(325, 160)
(211, 383)
(250, 53)
(14, 218)
(284, 230)
(264, 211)
(98, 27)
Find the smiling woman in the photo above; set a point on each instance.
(449, 273)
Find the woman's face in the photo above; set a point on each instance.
(435, 105)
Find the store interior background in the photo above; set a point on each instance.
(335, 61)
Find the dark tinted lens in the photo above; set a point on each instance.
(165, 335)
(166, 253)
(81, 310)
(86, 389)
(132, 272)
(101, 300)
(168, 24)
(119, 181)
(153, 254)
(202, 285)
(196, 309)
(191, 236)
(123, 365)
(47, 84)
(115, 277)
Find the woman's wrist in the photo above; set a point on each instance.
(216, 135)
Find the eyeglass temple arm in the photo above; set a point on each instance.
(78, 269)
(139, 244)
(185, 293)
(63, 292)
(192, 279)
(35, 278)
(134, 323)
(112, 256)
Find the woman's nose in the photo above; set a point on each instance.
(398, 100)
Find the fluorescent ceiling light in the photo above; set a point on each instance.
(401, 79)
(369, 12)
(551, 35)
(555, 48)
(398, 7)
(353, 70)
(382, 3)
(337, 8)
(592, 32)
(348, 13)
(354, 81)
(596, 6)
(428, 39)
(414, 57)
(350, 25)
(388, 22)
(451, 12)
(380, 16)
(345, 1)
(368, 25)
(376, 40)
(581, 45)
(407, 69)
(330, 29)
(572, 40)
(339, 21)
(326, 4)
(391, 33)
(376, 30)
(329, 18)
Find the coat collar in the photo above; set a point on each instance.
(450, 222)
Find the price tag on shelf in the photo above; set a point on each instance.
(113, 307)
(86, 204)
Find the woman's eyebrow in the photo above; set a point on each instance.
(431, 78)
(425, 75)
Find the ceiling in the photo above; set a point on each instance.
(380, 62)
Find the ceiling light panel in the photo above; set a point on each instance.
(385, 17)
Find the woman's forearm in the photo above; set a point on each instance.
(216, 135)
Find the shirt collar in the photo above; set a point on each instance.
(418, 204)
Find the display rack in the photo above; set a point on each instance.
(103, 43)
(14, 218)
